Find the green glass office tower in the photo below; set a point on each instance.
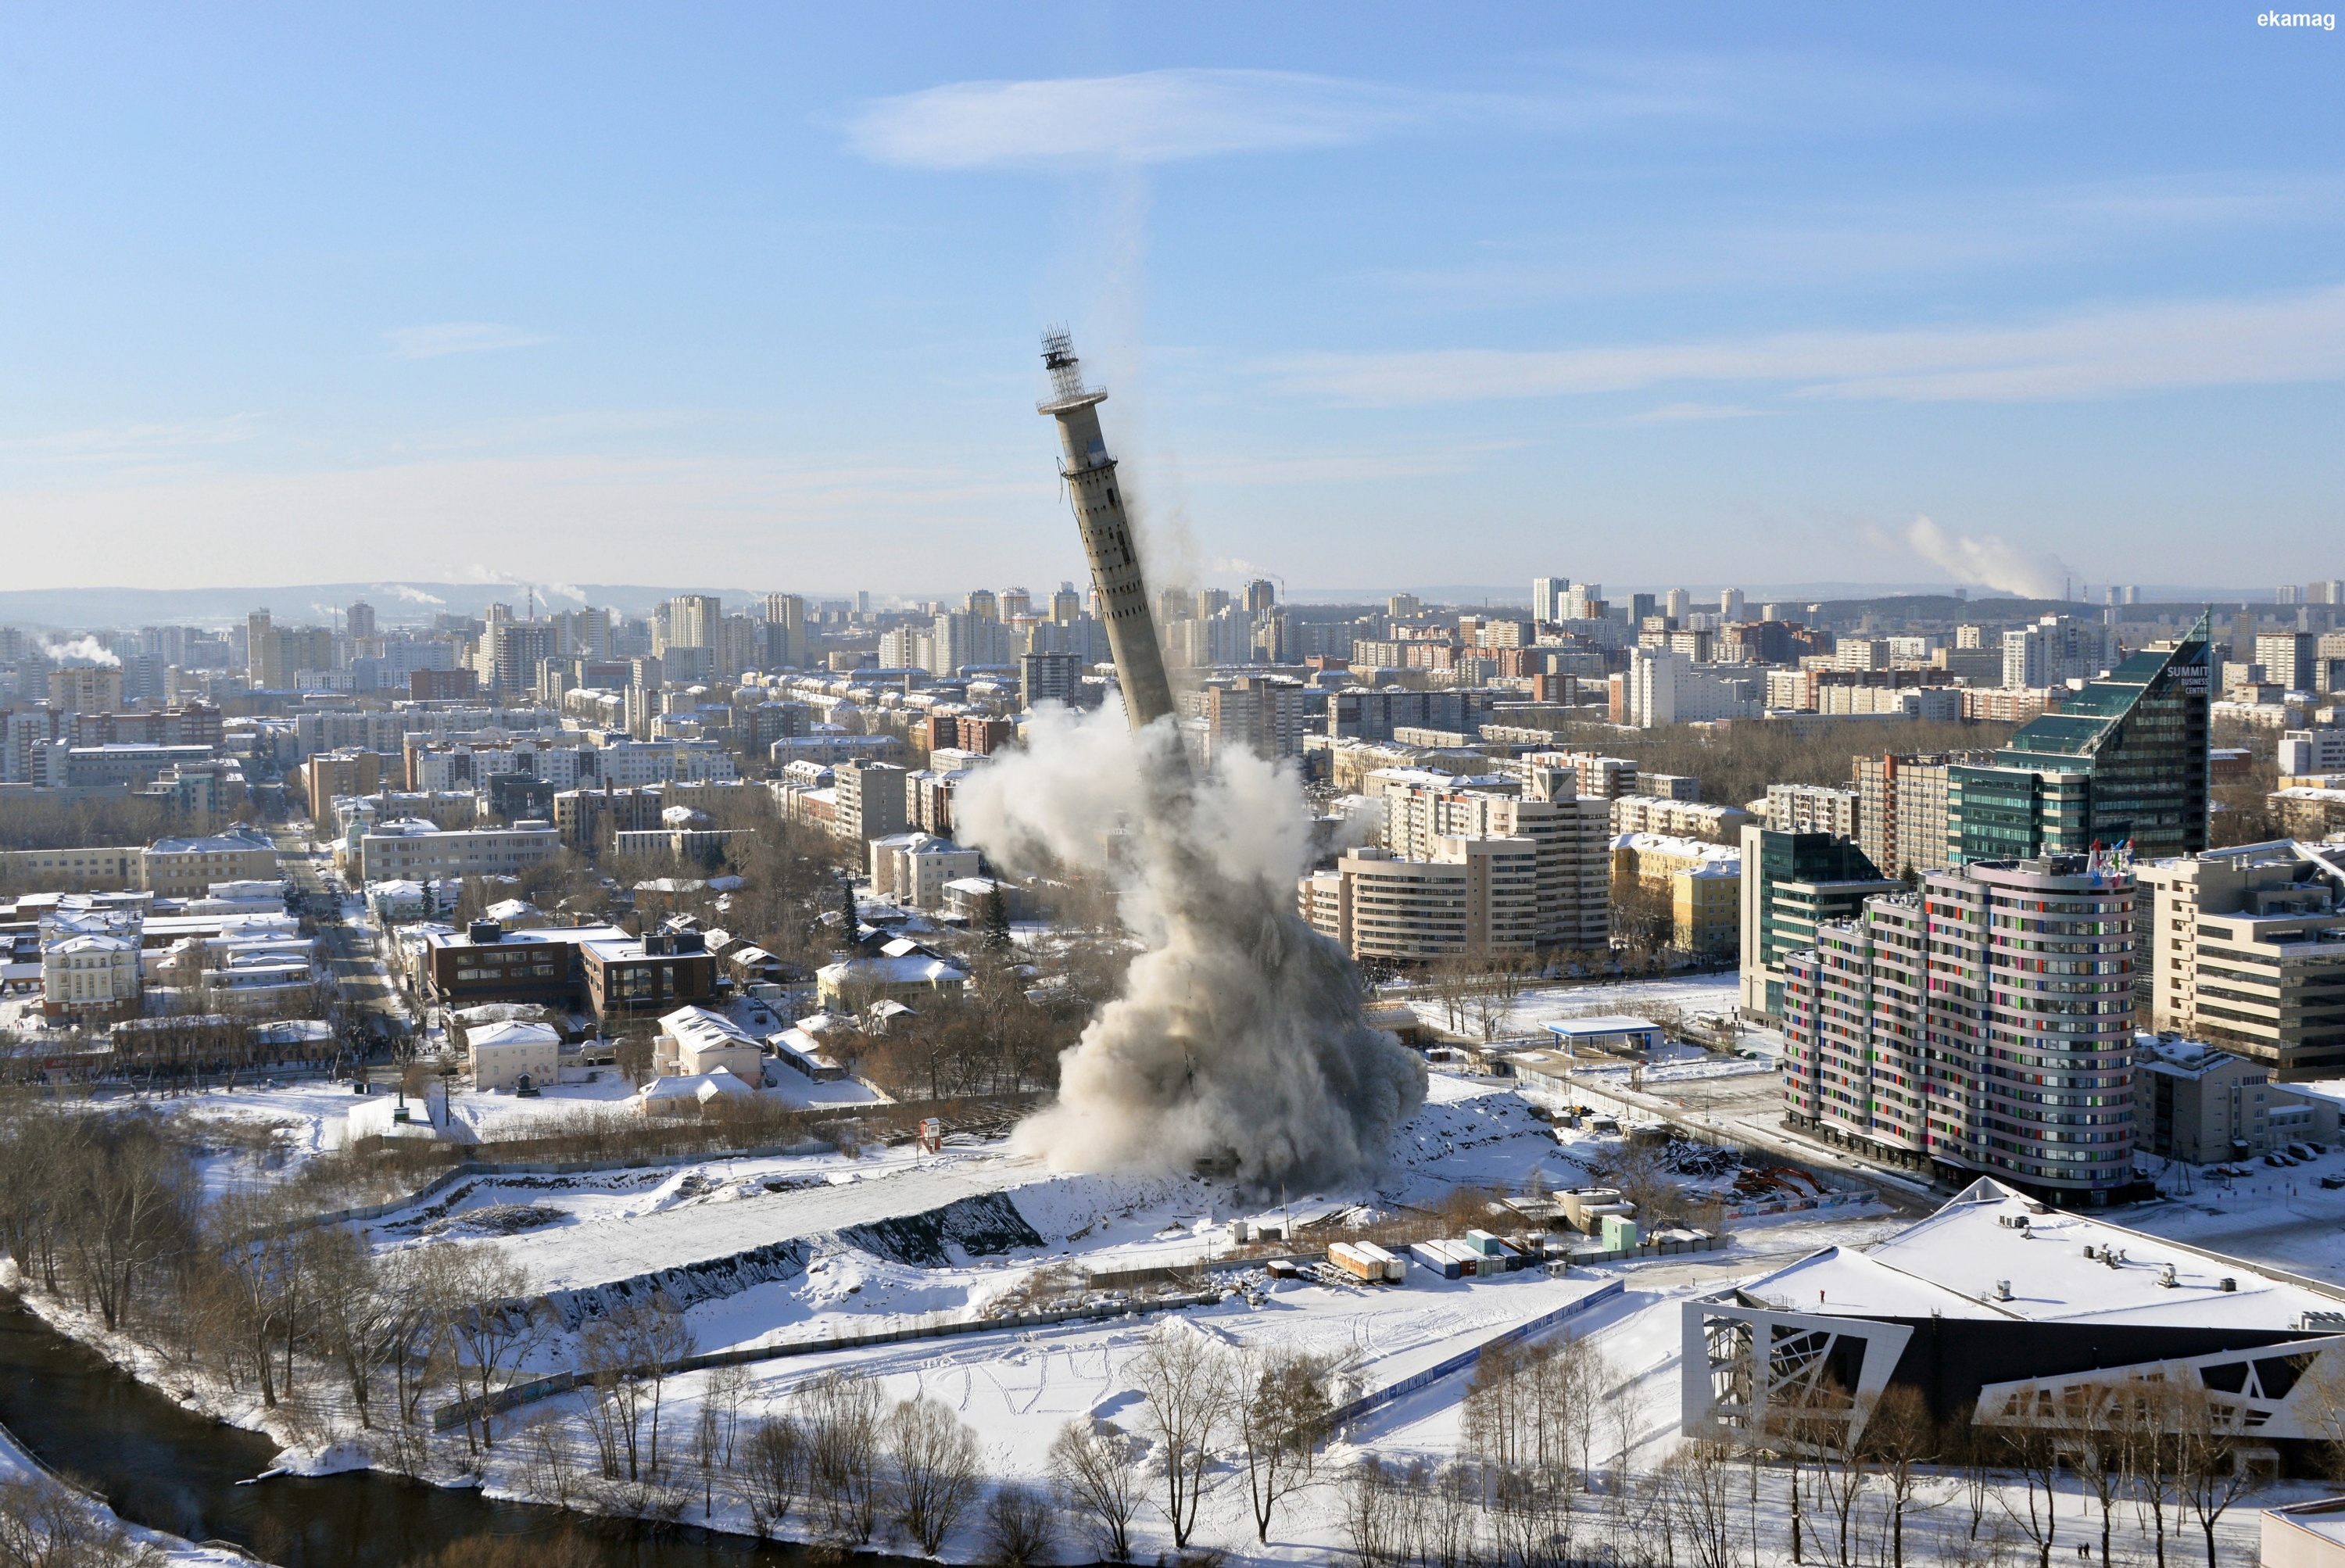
(2125, 759)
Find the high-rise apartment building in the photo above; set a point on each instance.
(1983, 1025)
(358, 621)
(2247, 949)
(693, 620)
(2123, 761)
(1066, 605)
(2055, 650)
(85, 688)
(1547, 598)
(1049, 677)
(1254, 714)
(1793, 883)
(261, 666)
(785, 631)
(964, 638)
(2288, 659)
(871, 800)
(1901, 808)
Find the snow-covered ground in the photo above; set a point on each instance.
(2280, 1217)
(1019, 1387)
(1692, 994)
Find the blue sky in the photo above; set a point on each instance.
(1385, 296)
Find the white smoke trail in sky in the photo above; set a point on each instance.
(1240, 1033)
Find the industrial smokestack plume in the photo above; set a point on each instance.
(1241, 1041)
(1090, 474)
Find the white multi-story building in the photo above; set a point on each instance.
(2056, 650)
(1477, 898)
(1663, 688)
(912, 869)
(411, 850)
(1812, 809)
(90, 975)
(1682, 819)
(2306, 752)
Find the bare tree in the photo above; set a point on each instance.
(1699, 1490)
(716, 1432)
(1373, 1526)
(2035, 1454)
(840, 1414)
(773, 1464)
(1899, 1436)
(353, 1312)
(1021, 1527)
(2144, 1422)
(2210, 1469)
(2323, 1401)
(1096, 1469)
(2091, 1434)
(936, 1464)
(483, 1305)
(1282, 1415)
(1843, 1467)
(1186, 1380)
(1449, 1531)
(44, 1525)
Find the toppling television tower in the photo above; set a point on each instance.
(1090, 474)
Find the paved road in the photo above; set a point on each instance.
(349, 951)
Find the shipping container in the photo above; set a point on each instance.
(1357, 1263)
(1433, 1256)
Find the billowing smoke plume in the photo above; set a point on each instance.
(1986, 560)
(1240, 1033)
(82, 649)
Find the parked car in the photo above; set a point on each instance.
(2333, 1182)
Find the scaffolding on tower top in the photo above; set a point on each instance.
(1067, 388)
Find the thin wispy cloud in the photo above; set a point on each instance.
(2099, 353)
(129, 443)
(456, 338)
(1172, 115)
(1149, 116)
(1691, 413)
(1935, 233)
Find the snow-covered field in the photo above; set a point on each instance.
(1019, 1387)
(1692, 994)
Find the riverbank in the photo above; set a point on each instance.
(18, 1464)
(175, 1477)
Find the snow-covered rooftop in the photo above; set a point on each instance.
(1951, 1264)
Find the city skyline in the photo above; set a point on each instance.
(1991, 305)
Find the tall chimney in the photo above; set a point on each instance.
(1090, 474)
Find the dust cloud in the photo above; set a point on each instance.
(1240, 1036)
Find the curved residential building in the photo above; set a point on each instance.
(1984, 1024)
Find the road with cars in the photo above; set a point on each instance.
(349, 949)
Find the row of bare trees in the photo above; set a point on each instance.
(103, 1211)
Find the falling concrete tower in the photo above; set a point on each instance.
(1090, 474)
